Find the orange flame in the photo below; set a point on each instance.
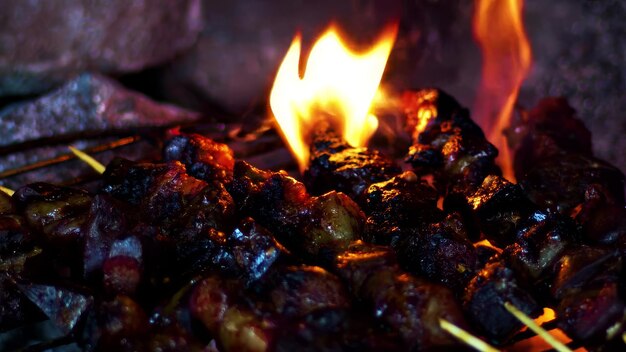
(499, 30)
(338, 86)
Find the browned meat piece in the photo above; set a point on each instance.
(296, 291)
(603, 222)
(541, 242)
(335, 165)
(235, 326)
(204, 158)
(398, 206)
(318, 227)
(594, 314)
(485, 297)
(582, 264)
(446, 142)
(56, 212)
(407, 305)
(440, 252)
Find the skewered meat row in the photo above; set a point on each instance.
(155, 229)
(543, 246)
(449, 145)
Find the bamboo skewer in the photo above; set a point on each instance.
(532, 325)
(7, 190)
(466, 337)
(95, 164)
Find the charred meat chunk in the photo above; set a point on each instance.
(440, 252)
(446, 142)
(204, 158)
(484, 302)
(541, 241)
(160, 190)
(255, 250)
(335, 165)
(317, 227)
(500, 208)
(397, 206)
(360, 261)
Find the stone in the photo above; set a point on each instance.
(43, 43)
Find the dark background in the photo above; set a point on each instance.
(219, 57)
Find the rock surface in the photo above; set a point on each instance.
(42, 43)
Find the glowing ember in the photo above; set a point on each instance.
(499, 30)
(338, 87)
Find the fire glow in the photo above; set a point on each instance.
(338, 86)
(499, 30)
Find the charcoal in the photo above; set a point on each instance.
(500, 208)
(64, 306)
(335, 165)
(15, 309)
(541, 241)
(446, 142)
(484, 302)
(300, 290)
(440, 252)
(205, 159)
(255, 250)
(397, 206)
(560, 183)
(106, 222)
(69, 37)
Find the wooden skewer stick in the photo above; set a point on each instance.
(466, 337)
(95, 164)
(556, 344)
(7, 190)
(624, 337)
